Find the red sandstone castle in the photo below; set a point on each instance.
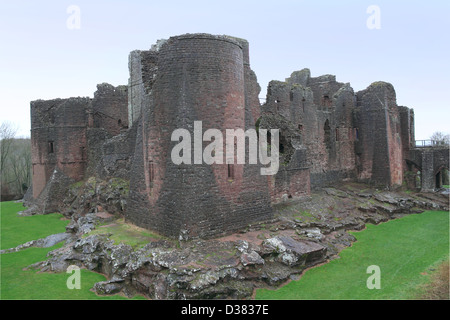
(328, 134)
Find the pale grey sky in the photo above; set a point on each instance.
(42, 58)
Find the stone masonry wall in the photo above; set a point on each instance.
(321, 111)
(380, 145)
(58, 139)
(200, 77)
(328, 134)
(68, 137)
(108, 108)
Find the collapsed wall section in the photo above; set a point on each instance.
(321, 111)
(109, 108)
(142, 65)
(379, 147)
(68, 142)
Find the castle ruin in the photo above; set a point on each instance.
(328, 134)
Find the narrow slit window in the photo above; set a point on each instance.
(51, 147)
(83, 153)
(327, 134)
(230, 172)
(151, 171)
(281, 147)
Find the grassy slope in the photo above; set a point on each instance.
(29, 284)
(17, 230)
(404, 249)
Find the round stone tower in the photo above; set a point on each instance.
(200, 79)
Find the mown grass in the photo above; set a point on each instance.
(403, 249)
(121, 232)
(16, 230)
(17, 283)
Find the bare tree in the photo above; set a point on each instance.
(15, 162)
(440, 138)
(20, 166)
(7, 134)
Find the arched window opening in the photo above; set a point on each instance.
(326, 101)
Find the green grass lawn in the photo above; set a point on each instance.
(17, 283)
(126, 233)
(16, 230)
(405, 249)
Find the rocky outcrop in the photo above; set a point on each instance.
(305, 234)
(46, 242)
(96, 195)
(201, 269)
(49, 199)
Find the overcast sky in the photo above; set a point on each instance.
(47, 52)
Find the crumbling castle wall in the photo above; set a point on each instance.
(58, 139)
(328, 134)
(108, 108)
(407, 133)
(320, 110)
(68, 137)
(347, 135)
(380, 144)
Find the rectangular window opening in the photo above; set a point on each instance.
(83, 153)
(151, 173)
(230, 172)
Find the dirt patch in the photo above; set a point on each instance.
(438, 288)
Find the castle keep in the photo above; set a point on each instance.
(328, 134)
